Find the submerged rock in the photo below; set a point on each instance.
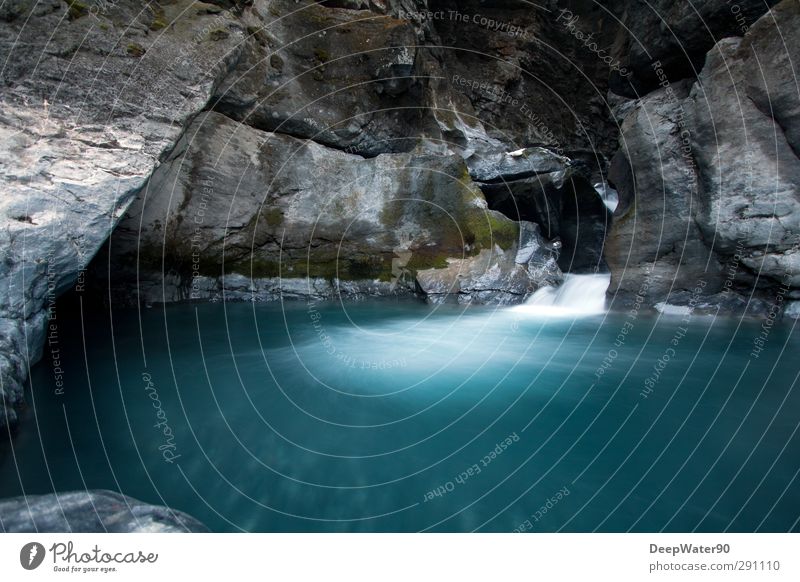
(684, 303)
(91, 512)
(792, 310)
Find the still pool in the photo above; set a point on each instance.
(399, 416)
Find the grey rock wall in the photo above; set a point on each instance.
(91, 102)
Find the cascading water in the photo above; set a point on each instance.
(577, 295)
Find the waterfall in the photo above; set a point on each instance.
(577, 295)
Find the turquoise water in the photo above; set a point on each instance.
(392, 416)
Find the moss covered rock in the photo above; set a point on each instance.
(234, 200)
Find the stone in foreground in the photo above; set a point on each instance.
(96, 511)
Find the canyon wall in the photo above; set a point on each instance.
(707, 172)
(467, 151)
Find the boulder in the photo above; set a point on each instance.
(495, 276)
(792, 310)
(91, 512)
(707, 175)
(234, 201)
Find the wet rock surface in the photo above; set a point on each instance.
(749, 194)
(654, 239)
(91, 512)
(495, 276)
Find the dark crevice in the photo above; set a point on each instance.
(351, 150)
(571, 212)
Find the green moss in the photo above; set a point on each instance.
(218, 34)
(422, 260)
(392, 214)
(322, 54)
(464, 231)
(135, 50)
(364, 268)
(76, 9)
(257, 268)
(211, 9)
(487, 229)
(470, 230)
(273, 217)
(317, 15)
(257, 34)
(360, 267)
(159, 21)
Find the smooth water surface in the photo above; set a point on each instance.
(392, 416)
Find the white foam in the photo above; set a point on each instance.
(577, 295)
(667, 309)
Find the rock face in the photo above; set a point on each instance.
(655, 241)
(233, 202)
(495, 276)
(509, 58)
(708, 175)
(744, 118)
(91, 512)
(376, 77)
(336, 74)
(365, 78)
(675, 34)
(92, 98)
